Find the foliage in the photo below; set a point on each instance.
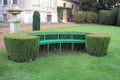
(97, 44)
(109, 17)
(104, 16)
(21, 47)
(118, 20)
(69, 14)
(86, 17)
(92, 17)
(36, 20)
(113, 16)
(94, 5)
(60, 13)
(80, 17)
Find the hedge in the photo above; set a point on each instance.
(97, 44)
(113, 16)
(86, 17)
(92, 17)
(118, 20)
(80, 17)
(21, 47)
(104, 16)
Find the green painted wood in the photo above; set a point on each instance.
(41, 34)
(58, 36)
(59, 41)
(60, 47)
(71, 36)
(72, 47)
(42, 42)
(44, 37)
(48, 47)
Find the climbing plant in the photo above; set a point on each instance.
(60, 13)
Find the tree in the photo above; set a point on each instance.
(96, 5)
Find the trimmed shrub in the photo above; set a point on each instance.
(104, 16)
(21, 47)
(86, 17)
(80, 17)
(97, 44)
(113, 16)
(36, 20)
(92, 17)
(118, 20)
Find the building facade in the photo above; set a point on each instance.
(73, 4)
(46, 8)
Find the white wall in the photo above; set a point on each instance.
(1, 11)
(26, 15)
(54, 17)
(43, 16)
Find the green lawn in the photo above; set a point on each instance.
(69, 67)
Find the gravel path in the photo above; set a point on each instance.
(4, 29)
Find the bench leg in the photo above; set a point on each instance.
(44, 48)
(60, 47)
(48, 48)
(72, 47)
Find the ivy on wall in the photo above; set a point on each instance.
(60, 13)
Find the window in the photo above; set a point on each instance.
(36, 2)
(49, 17)
(72, 6)
(5, 2)
(14, 1)
(49, 3)
(5, 17)
(64, 5)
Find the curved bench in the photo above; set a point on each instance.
(59, 38)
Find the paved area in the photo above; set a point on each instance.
(4, 29)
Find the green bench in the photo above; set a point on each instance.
(60, 38)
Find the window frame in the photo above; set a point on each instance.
(36, 4)
(5, 2)
(49, 3)
(64, 5)
(14, 1)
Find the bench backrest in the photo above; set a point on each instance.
(48, 36)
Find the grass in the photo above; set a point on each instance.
(69, 67)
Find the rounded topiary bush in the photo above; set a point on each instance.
(97, 44)
(21, 47)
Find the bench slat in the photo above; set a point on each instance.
(42, 42)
